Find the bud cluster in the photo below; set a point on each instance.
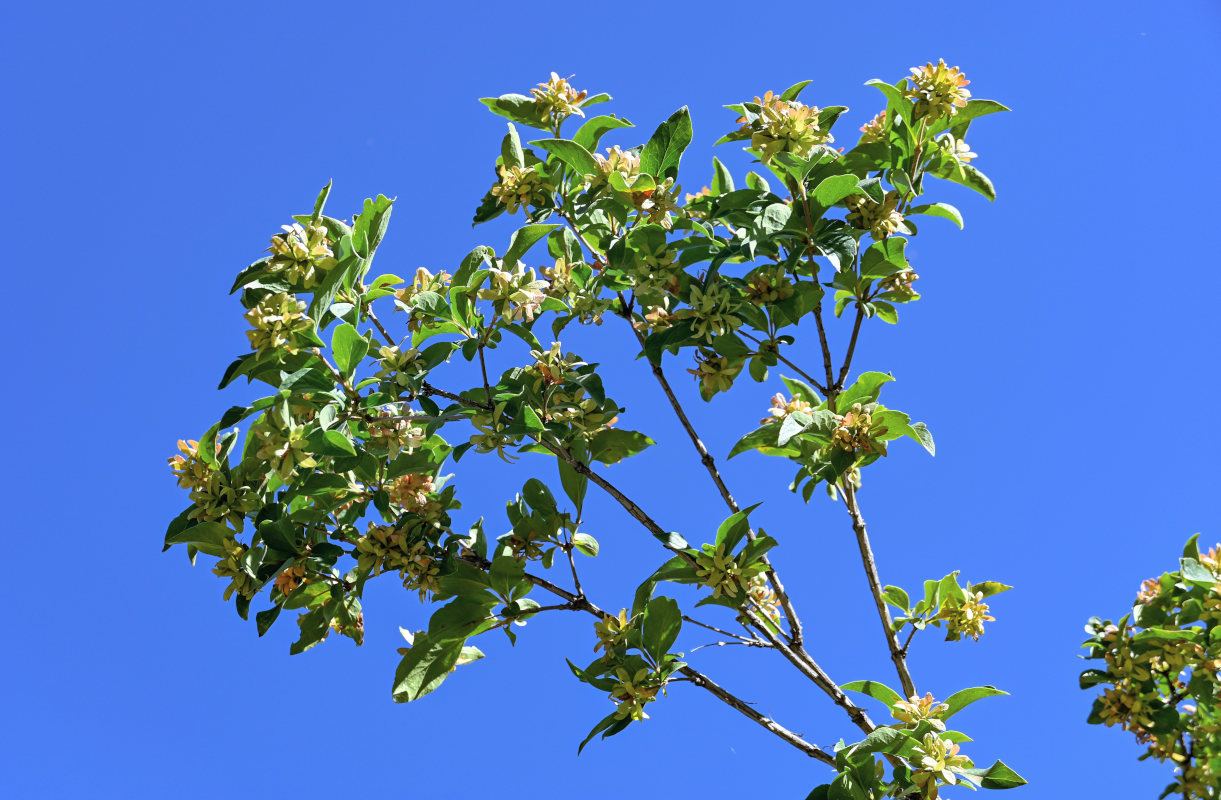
(784, 126)
(938, 90)
(281, 444)
(516, 295)
(856, 430)
(521, 187)
(232, 567)
(965, 618)
(385, 548)
(781, 408)
(275, 320)
(304, 255)
(710, 312)
(880, 219)
(557, 100)
(720, 571)
(875, 129)
(416, 494)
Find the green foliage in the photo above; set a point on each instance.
(340, 477)
(1161, 671)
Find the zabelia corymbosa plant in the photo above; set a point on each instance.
(338, 479)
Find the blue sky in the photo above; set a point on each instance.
(1063, 355)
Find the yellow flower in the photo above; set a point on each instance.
(875, 129)
(937, 90)
(557, 99)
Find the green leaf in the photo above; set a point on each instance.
(831, 190)
(734, 528)
(1192, 548)
(517, 108)
(884, 258)
(878, 691)
(612, 445)
(348, 348)
(330, 443)
(369, 227)
(960, 700)
(1196, 574)
(897, 598)
(801, 390)
(974, 110)
(208, 537)
(591, 132)
(510, 149)
(319, 204)
(968, 176)
(920, 432)
(575, 483)
(659, 626)
(587, 544)
(989, 588)
(661, 155)
(794, 91)
(997, 776)
(264, 619)
(425, 666)
(609, 726)
(539, 497)
(523, 239)
(677, 569)
(864, 390)
(571, 153)
(722, 180)
(944, 210)
(894, 97)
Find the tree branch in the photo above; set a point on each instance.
(697, 678)
(897, 654)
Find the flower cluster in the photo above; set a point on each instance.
(516, 295)
(304, 255)
(276, 320)
(899, 286)
(282, 444)
(612, 632)
(385, 548)
(424, 281)
(557, 100)
(966, 618)
(856, 430)
(397, 365)
(914, 710)
(710, 311)
(937, 90)
(768, 285)
(875, 129)
(880, 219)
(714, 372)
(233, 567)
(416, 494)
(521, 187)
(720, 571)
(784, 126)
(781, 408)
(626, 163)
(392, 430)
(633, 691)
(937, 763)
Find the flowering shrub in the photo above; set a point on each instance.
(1161, 676)
(340, 478)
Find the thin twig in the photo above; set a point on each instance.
(897, 654)
(804, 375)
(692, 675)
(856, 330)
(715, 629)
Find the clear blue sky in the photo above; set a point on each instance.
(1064, 356)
